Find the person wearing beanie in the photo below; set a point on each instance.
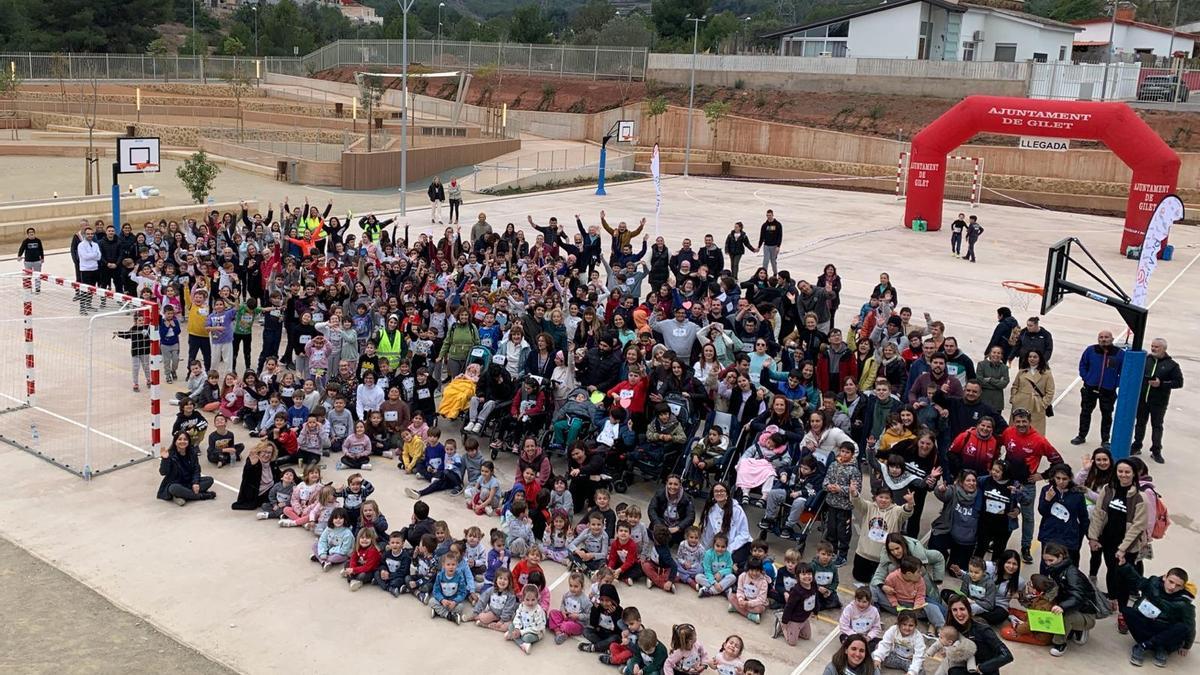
(603, 627)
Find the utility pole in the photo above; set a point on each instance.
(193, 28)
(439, 32)
(1108, 54)
(255, 8)
(687, 155)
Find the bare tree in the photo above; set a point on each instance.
(89, 120)
(370, 92)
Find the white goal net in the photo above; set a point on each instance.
(964, 179)
(66, 383)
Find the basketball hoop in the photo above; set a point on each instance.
(1021, 293)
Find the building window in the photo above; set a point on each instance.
(831, 40)
(1040, 57)
(1005, 52)
(968, 51)
(925, 40)
(1062, 53)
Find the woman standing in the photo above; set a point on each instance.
(1033, 389)
(1119, 529)
(1064, 510)
(179, 465)
(956, 528)
(722, 515)
(992, 373)
(736, 245)
(1097, 472)
(991, 654)
(832, 283)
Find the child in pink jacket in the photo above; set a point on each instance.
(862, 618)
(750, 597)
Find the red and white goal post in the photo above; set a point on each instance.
(964, 178)
(66, 366)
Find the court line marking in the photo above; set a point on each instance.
(816, 652)
(1075, 382)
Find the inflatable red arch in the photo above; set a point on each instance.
(1155, 166)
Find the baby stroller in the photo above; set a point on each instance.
(512, 428)
(481, 355)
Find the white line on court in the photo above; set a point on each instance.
(1075, 382)
(816, 652)
(561, 578)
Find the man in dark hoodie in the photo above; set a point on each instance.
(421, 525)
(1100, 370)
(1161, 376)
(1164, 620)
(1005, 325)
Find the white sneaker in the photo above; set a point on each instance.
(366, 467)
(525, 647)
(262, 515)
(355, 585)
(287, 523)
(179, 501)
(1081, 638)
(490, 511)
(325, 566)
(388, 454)
(412, 494)
(649, 583)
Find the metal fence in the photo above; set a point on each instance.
(1085, 81)
(769, 63)
(144, 67)
(530, 59)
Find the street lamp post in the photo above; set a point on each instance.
(1108, 54)
(255, 8)
(193, 28)
(405, 6)
(439, 35)
(687, 155)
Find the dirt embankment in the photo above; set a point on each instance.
(873, 115)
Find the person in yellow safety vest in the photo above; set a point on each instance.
(390, 345)
(312, 221)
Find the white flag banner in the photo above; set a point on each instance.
(656, 172)
(1169, 210)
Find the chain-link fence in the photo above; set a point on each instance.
(562, 60)
(144, 67)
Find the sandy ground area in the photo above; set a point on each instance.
(244, 592)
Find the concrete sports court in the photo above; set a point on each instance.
(243, 593)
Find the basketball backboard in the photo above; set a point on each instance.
(138, 155)
(1056, 271)
(625, 131)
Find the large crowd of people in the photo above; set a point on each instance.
(791, 436)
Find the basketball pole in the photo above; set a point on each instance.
(603, 163)
(116, 195)
(1128, 394)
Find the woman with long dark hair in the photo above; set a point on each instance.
(1097, 470)
(852, 658)
(1119, 528)
(723, 515)
(991, 654)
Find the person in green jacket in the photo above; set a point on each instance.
(649, 657)
(992, 373)
(1163, 620)
(460, 339)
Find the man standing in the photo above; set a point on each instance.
(974, 230)
(711, 257)
(957, 363)
(1162, 375)
(110, 252)
(89, 266)
(437, 195)
(956, 234)
(813, 299)
(1100, 370)
(1033, 338)
(770, 238)
(1024, 449)
(32, 254)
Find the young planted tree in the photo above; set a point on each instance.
(655, 108)
(714, 112)
(237, 79)
(60, 69)
(157, 49)
(370, 93)
(198, 175)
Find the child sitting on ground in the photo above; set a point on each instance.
(483, 495)
(475, 554)
(649, 656)
(498, 604)
(631, 627)
(860, 617)
(623, 556)
(688, 656)
(602, 628)
(364, 560)
(825, 573)
(689, 558)
(750, 599)
(717, 576)
(573, 612)
(279, 496)
(393, 567)
(902, 647)
(659, 567)
(793, 623)
(334, 545)
(518, 527)
(556, 541)
(589, 550)
(529, 621)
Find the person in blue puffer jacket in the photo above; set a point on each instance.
(1063, 507)
(1100, 370)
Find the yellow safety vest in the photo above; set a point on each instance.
(390, 347)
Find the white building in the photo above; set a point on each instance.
(1131, 39)
(936, 30)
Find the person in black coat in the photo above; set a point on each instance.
(584, 470)
(259, 475)
(1075, 596)
(179, 465)
(600, 368)
(991, 654)
(672, 508)
(1161, 376)
(1004, 328)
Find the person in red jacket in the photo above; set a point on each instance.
(975, 448)
(623, 556)
(630, 394)
(1022, 443)
(835, 363)
(363, 560)
(532, 562)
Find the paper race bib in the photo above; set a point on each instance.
(902, 650)
(305, 339)
(391, 415)
(994, 506)
(1059, 511)
(810, 603)
(877, 530)
(449, 588)
(1149, 609)
(606, 622)
(789, 583)
(422, 394)
(497, 602)
(861, 625)
(823, 578)
(975, 590)
(751, 592)
(571, 605)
